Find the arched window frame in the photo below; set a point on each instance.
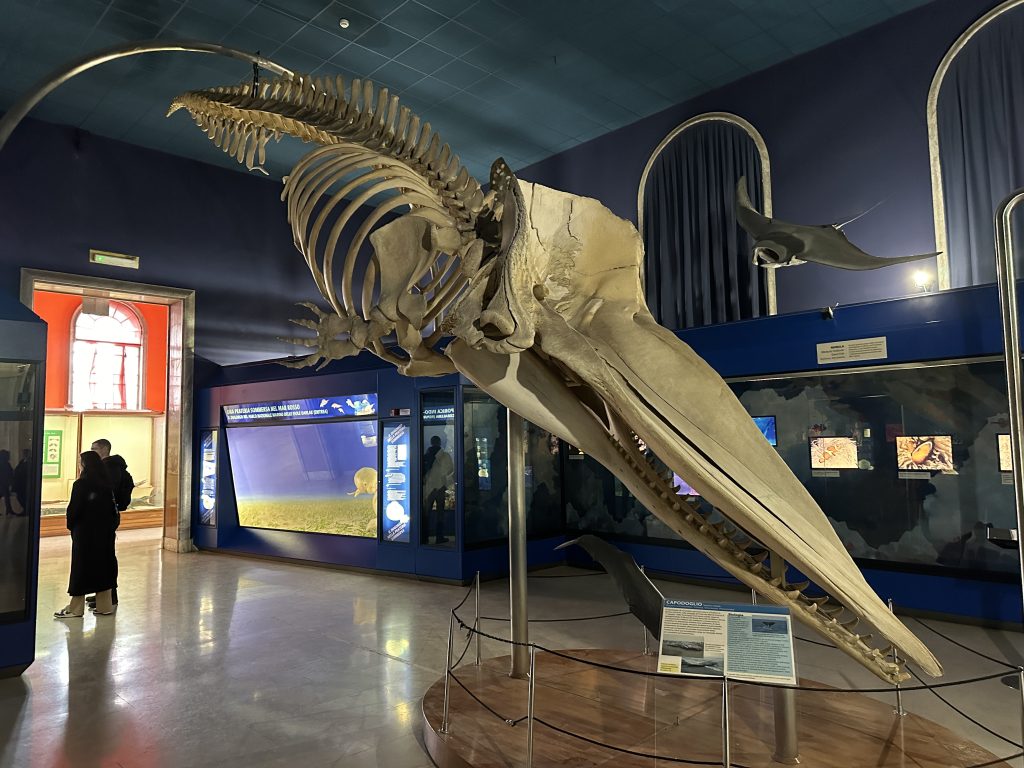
(132, 312)
(766, 176)
(938, 199)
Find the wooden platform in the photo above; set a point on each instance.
(670, 718)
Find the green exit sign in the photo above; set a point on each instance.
(111, 259)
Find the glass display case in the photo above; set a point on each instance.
(437, 468)
(18, 421)
(904, 460)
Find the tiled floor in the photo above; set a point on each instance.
(222, 661)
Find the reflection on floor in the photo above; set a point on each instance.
(222, 661)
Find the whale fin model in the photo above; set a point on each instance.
(781, 244)
(642, 597)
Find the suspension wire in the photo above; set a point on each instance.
(957, 643)
(963, 714)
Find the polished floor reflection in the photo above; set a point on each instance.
(222, 661)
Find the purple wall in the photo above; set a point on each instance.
(220, 232)
(845, 128)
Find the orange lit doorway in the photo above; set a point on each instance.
(118, 357)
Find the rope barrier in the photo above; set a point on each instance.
(469, 642)
(578, 618)
(957, 643)
(806, 689)
(963, 714)
(468, 593)
(997, 761)
(634, 753)
(483, 704)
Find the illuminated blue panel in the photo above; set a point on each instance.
(307, 409)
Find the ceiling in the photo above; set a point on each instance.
(523, 79)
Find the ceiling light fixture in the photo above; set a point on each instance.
(343, 23)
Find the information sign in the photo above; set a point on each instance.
(53, 440)
(395, 501)
(307, 409)
(208, 479)
(753, 643)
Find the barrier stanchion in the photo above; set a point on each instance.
(726, 749)
(899, 711)
(447, 674)
(647, 635)
(529, 706)
(1020, 687)
(476, 622)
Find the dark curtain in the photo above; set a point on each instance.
(699, 269)
(981, 144)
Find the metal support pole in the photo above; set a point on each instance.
(726, 749)
(1007, 283)
(447, 675)
(520, 629)
(647, 635)
(899, 711)
(1020, 687)
(476, 624)
(787, 744)
(530, 705)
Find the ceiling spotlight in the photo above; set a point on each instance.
(343, 23)
(923, 280)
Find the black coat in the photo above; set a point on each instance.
(91, 515)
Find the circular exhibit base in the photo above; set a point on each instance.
(626, 719)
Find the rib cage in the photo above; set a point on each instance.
(371, 148)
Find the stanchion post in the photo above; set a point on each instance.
(529, 706)
(726, 748)
(476, 623)
(447, 674)
(647, 635)
(899, 711)
(1020, 687)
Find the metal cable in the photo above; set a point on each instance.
(963, 714)
(576, 618)
(957, 643)
(634, 753)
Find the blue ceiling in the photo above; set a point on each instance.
(523, 79)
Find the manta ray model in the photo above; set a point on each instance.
(781, 244)
(535, 295)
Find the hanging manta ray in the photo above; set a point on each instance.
(781, 244)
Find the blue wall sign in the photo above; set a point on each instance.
(307, 409)
(208, 479)
(395, 501)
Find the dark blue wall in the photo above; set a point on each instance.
(845, 129)
(220, 232)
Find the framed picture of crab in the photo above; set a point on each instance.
(925, 453)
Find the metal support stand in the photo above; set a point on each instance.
(1020, 682)
(899, 711)
(1007, 284)
(726, 748)
(520, 629)
(447, 675)
(529, 706)
(476, 622)
(647, 635)
(787, 744)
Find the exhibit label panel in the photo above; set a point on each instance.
(208, 478)
(306, 409)
(395, 517)
(753, 643)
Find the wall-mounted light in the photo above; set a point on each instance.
(923, 280)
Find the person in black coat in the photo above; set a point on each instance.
(91, 520)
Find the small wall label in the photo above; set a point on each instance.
(873, 348)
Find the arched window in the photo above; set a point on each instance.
(975, 113)
(106, 360)
(698, 268)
